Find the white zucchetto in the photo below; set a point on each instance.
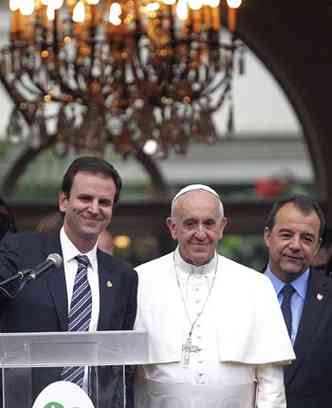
(193, 187)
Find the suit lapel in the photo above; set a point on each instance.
(108, 285)
(56, 282)
(314, 313)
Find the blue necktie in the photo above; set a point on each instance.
(80, 313)
(287, 293)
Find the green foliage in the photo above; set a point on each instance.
(247, 249)
(3, 147)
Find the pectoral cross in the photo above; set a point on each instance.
(188, 348)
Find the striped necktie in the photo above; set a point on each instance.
(80, 313)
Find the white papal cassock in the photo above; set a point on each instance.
(241, 339)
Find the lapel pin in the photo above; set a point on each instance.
(319, 296)
(109, 284)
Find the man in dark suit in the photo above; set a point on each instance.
(90, 189)
(292, 235)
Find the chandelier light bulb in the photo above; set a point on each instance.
(93, 2)
(182, 10)
(195, 4)
(152, 7)
(150, 147)
(79, 12)
(54, 4)
(169, 2)
(234, 3)
(14, 5)
(50, 12)
(27, 7)
(212, 3)
(115, 13)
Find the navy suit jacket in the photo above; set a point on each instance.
(308, 379)
(42, 306)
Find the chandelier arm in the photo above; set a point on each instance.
(144, 70)
(55, 38)
(29, 74)
(62, 82)
(17, 100)
(67, 74)
(207, 107)
(92, 44)
(78, 81)
(227, 78)
(65, 67)
(221, 100)
(67, 90)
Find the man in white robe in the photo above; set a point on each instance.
(217, 338)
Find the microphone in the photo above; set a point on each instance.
(28, 275)
(51, 260)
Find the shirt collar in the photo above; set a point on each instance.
(69, 250)
(193, 269)
(300, 284)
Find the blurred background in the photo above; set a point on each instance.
(270, 137)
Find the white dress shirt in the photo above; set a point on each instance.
(300, 286)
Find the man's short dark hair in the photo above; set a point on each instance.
(94, 165)
(304, 203)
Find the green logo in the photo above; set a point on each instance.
(53, 404)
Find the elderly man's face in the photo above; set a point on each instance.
(293, 242)
(197, 225)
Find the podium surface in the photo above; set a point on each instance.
(31, 361)
(100, 348)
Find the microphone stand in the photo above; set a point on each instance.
(19, 275)
(27, 273)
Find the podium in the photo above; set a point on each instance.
(31, 361)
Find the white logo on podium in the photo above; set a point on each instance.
(63, 394)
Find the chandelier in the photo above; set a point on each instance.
(85, 73)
